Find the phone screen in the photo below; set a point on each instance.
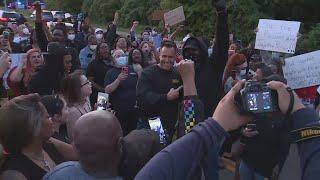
(155, 125)
(102, 101)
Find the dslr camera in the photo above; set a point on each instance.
(256, 98)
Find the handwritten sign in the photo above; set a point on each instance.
(175, 16)
(278, 36)
(303, 71)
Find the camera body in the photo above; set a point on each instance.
(256, 98)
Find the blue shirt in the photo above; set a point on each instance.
(156, 40)
(86, 55)
(72, 171)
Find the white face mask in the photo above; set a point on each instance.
(122, 61)
(243, 72)
(71, 37)
(99, 36)
(26, 31)
(93, 47)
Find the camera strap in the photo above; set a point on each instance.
(306, 133)
(290, 108)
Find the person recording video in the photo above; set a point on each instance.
(179, 161)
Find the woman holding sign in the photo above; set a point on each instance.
(19, 76)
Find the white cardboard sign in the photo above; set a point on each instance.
(303, 71)
(175, 16)
(278, 36)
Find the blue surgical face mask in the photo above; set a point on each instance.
(122, 61)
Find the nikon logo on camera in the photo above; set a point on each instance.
(309, 132)
(305, 133)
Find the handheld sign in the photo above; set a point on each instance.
(303, 71)
(278, 36)
(175, 16)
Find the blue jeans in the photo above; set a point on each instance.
(248, 174)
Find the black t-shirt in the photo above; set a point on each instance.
(124, 97)
(98, 70)
(152, 88)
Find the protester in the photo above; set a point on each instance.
(150, 53)
(67, 61)
(135, 157)
(20, 76)
(21, 40)
(262, 71)
(47, 80)
(268, 135)
(76, 90)
(209, 71)
(56, 108)
(178, 161)
(26, 158)
(98, 141)
(99, 35)
(71, 40)
(137, 60)
(82, 36)
(87, 54)
(59, 35)
(120, 83)
(110, 36)
(121, 44)
(97, 70)
(5, 62)
(235, 71)
(158, 89)
(21, 19)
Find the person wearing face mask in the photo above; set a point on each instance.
(59, 34)
(71, 40)
(120, 83)
(235, 71)
(87, 54)
(209, 70)
(99, 35)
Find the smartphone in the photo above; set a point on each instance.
(125, 70)
(156, 125)
(102, 101)
(252, 127)
(6, 34)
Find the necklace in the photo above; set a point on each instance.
(42, 160)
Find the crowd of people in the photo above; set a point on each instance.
(50, 127)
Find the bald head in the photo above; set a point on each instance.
(97, 139)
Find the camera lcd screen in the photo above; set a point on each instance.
(259, 101)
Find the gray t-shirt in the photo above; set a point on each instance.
(72, 171)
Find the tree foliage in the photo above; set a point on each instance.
(200, 14)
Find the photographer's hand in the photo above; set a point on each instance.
(226, 114)
(284, 97)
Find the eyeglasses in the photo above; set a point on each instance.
(88, 82)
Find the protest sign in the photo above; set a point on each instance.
(303, 71)
(15, 60)
(278, 36)
(175, 16)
